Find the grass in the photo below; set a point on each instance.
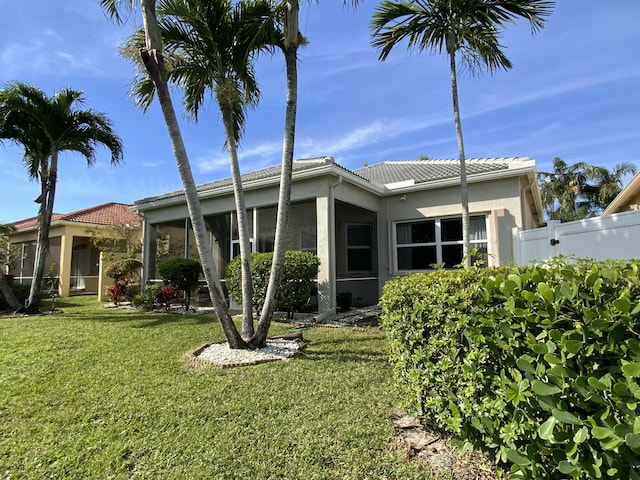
(103, 393)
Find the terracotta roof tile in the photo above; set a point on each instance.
(106, 214)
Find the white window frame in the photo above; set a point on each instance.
(438, 239)
(236, 242)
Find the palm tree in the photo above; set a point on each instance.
(468, 30)
(577, 191)
(5, 288)
(292, 41)
(152, 56)
(45, 127)
(211, 46)
(289, 11)
(609, 183)
(560, 189)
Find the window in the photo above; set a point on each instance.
(359, 247)
(423, 244)
(252, 218)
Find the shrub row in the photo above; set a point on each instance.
(536, 365)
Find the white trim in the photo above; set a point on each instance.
(438, 243)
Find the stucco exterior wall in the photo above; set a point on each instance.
(339, 198)
(483, 197)
(61, 238)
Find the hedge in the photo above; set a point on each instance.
(537, 366)
(297, 280)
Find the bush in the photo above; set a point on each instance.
(133, 290)
(183, 274)
(147, 299)
(126, 267)
(537, 365)
(122, 271)
(297, 282)
(166, 295)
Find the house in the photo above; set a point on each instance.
(627, 199)
(366, 225)
(72, 256)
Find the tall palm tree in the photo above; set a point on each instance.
(45, 127)
(468, 31)
(288, 11)
(211, 46)
(293, 39)
(152, 56)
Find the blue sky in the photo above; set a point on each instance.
(574, 92)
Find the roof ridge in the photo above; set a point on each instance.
(450, 160)
(91, 209)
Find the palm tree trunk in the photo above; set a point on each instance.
(153, 62)
(243, 228)
(291, 57)
(9, 296)
(45, 212)
(464, 192)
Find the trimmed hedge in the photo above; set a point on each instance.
(297, 280)
(536, 365)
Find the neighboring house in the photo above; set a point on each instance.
(366, 225)
(627, 199)
(72, 259)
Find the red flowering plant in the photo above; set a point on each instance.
(118, 290)
(121, 271)
(166, 295)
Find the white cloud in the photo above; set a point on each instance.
(251, 158)
(529, 93)
(151, 164)
(211, 163)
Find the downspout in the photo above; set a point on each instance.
(523, 199)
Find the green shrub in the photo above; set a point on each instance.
(183, 274)
(133, 290)
(126, 267)
(147, 300)
(122, 271)
(537, 365)
(299, 272)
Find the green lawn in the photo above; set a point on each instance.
(103, 393)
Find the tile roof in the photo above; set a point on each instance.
(421, 171)
(106, 214)
(262, 174)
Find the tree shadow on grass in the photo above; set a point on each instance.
(160, 319)
(346, 350)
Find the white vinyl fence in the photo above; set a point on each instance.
(614, 236)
